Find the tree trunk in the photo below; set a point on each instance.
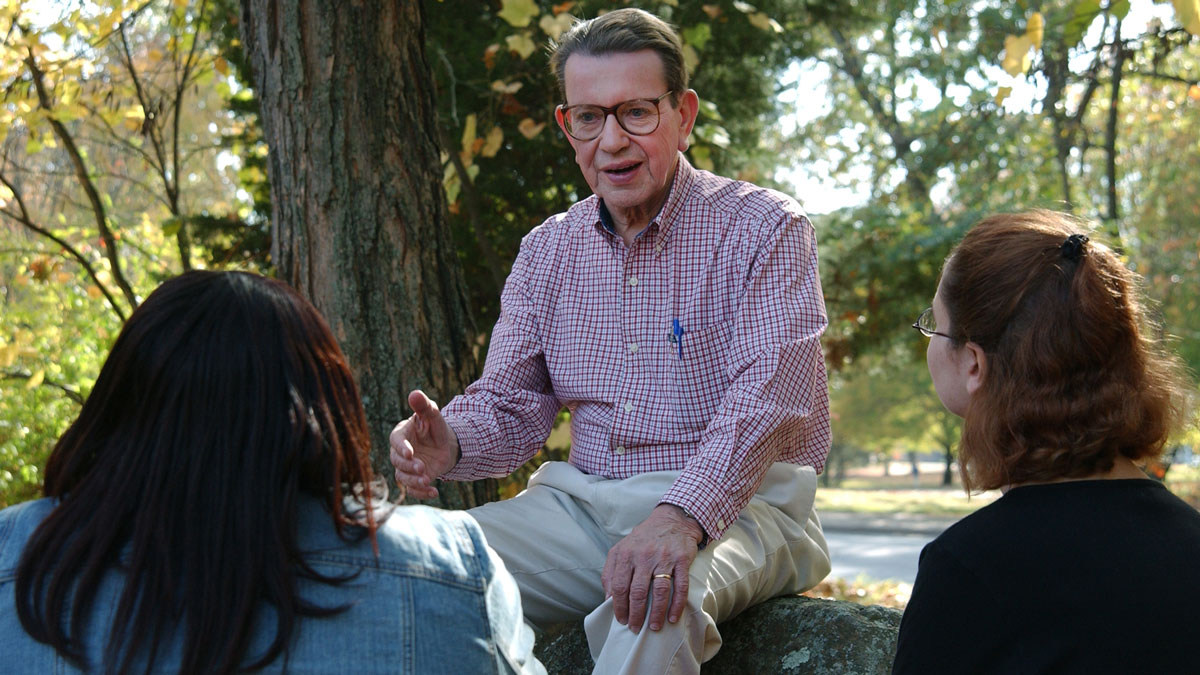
(358, 211)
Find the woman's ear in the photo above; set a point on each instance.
(975, 363)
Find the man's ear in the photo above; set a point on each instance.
(689, 107)
(976, 365)
(558, 117)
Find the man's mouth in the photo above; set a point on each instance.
(623, 170)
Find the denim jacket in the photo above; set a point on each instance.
(436, 600)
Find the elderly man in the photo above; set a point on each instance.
(677, 316)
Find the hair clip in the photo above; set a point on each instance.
(1072, 248)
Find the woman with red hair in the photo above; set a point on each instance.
(1040, 340)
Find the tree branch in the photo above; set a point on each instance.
(901, 141)
(1110, 135)
(24, 219)
(1163, 76)
(81, 174)
(70, 392)
(151, 129)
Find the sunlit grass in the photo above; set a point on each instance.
(929, 501)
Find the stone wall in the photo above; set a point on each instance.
(792, 635)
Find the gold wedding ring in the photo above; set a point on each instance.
(664, 576)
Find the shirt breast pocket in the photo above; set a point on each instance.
(701, 375)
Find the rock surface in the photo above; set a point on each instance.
(792, 635)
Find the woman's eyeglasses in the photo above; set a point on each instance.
(928, 325)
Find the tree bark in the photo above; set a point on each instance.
(358, 210)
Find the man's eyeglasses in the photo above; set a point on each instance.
(928, 325)
(639, 117)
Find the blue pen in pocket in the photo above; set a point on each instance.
(677, 336)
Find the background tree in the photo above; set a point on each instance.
(918, 118)
(358, 209)
(110, 171)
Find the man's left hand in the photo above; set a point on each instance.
(635, 572)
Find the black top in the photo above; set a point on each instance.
(1098, 576)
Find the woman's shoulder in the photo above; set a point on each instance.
(17, 523)
(415, 541)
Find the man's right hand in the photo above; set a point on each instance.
(423, 447)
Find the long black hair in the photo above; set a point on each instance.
(224, 399)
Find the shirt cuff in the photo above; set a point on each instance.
(469, 447)
(705, 501)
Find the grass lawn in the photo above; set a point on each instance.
(879, 489)
(931, 501)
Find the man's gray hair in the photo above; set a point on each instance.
(622, 31)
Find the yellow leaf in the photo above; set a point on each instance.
(530, 129)
(1188, 12)
(691, 58)
(518, 12)
(521, 44)
(6, 194)
(1002, 94)
(556, 25)
(510, 88)
(763, 22)
(94, 292)
(673, 3)
(181, 3)
(713, 11)
(1036, 29)
(8, 354)
(35, 380)
(468, 134)
(495, 139)
(1194, 92)
(1016, 54)
(221, 65)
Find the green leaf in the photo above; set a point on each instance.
(698, 35)
(1085, 11)
(709, 110)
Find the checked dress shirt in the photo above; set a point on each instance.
(695, 350)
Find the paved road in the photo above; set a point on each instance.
(879, 546)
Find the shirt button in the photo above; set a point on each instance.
(628, 407)
(620, 449)
(658, 248)
(721, 524)
(633, 281)
(632, 347)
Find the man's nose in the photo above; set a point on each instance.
(613, 136)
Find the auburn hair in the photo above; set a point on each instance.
(1077, 374)
(224, 399)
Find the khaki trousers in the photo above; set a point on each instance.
(554, 538)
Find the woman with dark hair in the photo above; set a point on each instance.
(1039, 339)
(211, 510)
